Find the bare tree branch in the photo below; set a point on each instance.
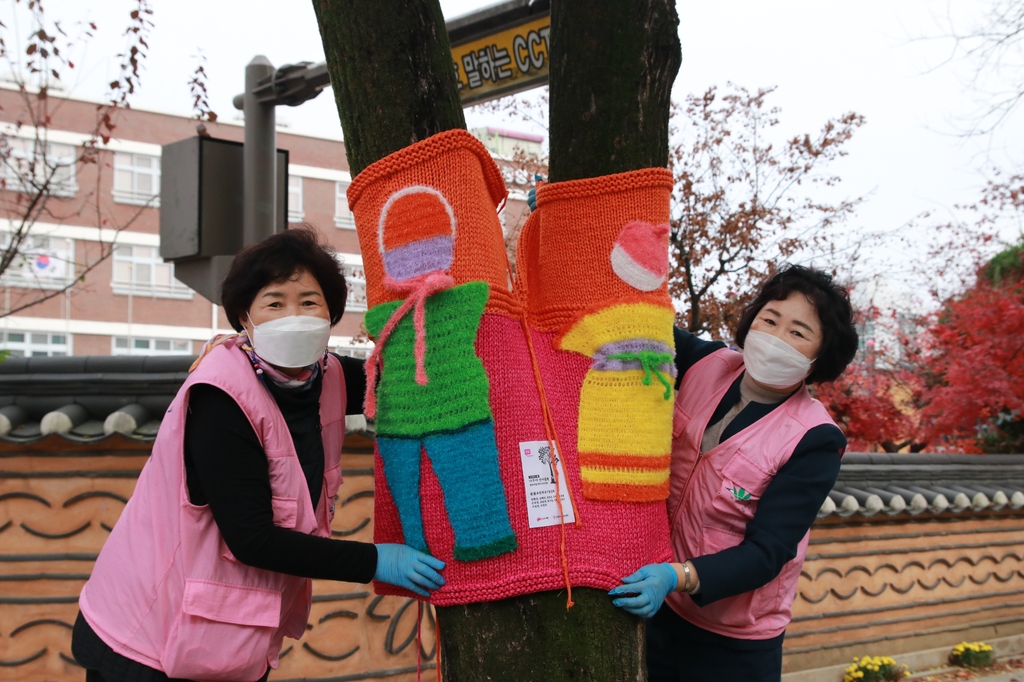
(31, 174)
(744, 204)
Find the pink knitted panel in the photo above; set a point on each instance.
(613, 538)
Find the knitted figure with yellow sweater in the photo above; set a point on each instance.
(625, 423)
(433, 392)
(619, 314)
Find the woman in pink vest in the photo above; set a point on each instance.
(209, 566)
(753, 458)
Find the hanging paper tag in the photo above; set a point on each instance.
(539, 479)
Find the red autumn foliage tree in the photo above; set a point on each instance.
(863, 403)
(974, 397)
(957, 385)
(949, 381)
(875, 400)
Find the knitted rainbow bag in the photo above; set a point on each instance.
(436, 202)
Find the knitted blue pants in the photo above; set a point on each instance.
(466, 464)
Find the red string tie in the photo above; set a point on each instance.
(417, 289)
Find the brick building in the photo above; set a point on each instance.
(131, 303)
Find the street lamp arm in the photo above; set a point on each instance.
(290, 85)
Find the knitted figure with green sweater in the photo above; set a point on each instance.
(433, 393)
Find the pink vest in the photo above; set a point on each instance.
(166, 591)
(712, 497)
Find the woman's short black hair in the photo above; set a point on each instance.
(277, 258)
(832, 303)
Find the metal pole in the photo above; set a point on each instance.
(259, 175)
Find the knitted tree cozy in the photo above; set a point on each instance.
(569, 258)
(417, 467)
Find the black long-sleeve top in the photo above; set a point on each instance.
(787, 507)
(226, 468)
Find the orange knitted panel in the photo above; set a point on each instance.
(527, 248)
(458, 166)
(414, 217)
(579, 225)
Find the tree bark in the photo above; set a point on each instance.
(612, 71)
(391, 71)
(612, 68)
(534, 637)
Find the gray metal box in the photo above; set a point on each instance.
(201, 198)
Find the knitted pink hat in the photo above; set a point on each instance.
(640, 256)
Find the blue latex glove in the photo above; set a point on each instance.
(650, 585)
(406, 567)
(531, 196)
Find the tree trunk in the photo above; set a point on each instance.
(391, 71)
(612, 70)
(534, 637)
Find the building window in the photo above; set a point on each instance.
(36, 344)
(136, 179)
(342, 216)
(140, 270)
(355, 278)
(123, 345)
(30, 164)
(41, 262)
(295, 213)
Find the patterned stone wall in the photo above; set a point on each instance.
(893, 585)
(56, 510)
(880, 584)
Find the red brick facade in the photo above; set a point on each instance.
(93, 313)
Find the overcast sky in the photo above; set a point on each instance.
(826, 58)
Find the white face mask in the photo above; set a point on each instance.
(291, 342)
(772, 362)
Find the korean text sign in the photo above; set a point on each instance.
(510, 60)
